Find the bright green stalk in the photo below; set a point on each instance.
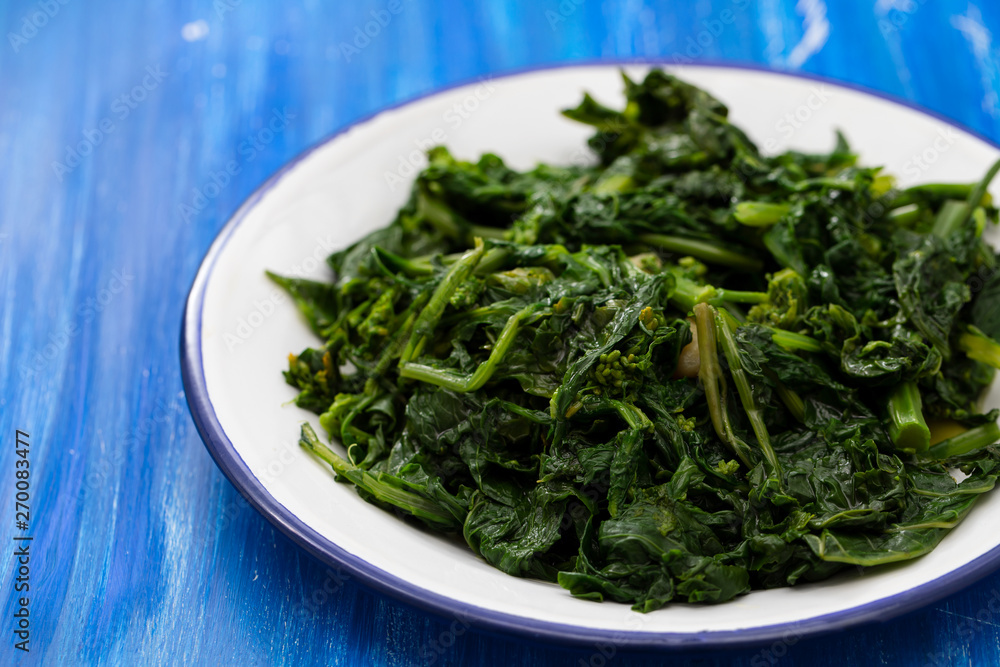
(979, 346)
(492, 260)
(950, 218)
(383, 487)
(971, 440)
(826, 182)
(343, 411)
(399, 339)
(792, 400)
(725, 333)
(980, 195)
(702, 250)
(936, 192)
(735, 312)
(944, 190)
(954, 215)
(613, 183)
(737, 296)
(795, 341)
(429, 316)
(449, 379)
(760, 214)
(714, 383)
(633, 416)
(985, 256)
(687, 293)
(905, 216)
(484, 232)
(907, 427)
(415, 267)
(439, 215)
(358, 314)
(728, 317)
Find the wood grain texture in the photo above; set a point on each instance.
(143, 552)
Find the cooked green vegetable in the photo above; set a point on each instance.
(683, 373)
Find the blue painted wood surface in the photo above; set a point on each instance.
(116, 123)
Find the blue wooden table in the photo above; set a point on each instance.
(117, 122)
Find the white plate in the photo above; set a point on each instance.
(238, 330)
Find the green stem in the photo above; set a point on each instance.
(483, 232)
(702, 250)
(737, 296)
(907, 427)
(397, 342)
(933, 192)
(492, 260)
(439, 215)
(714, 384)
(383, 487)
(687, 293)
(424, 265)
(791, 399)
(980, 196)
(416, 267)
(985, 256)
(826, 182)
(740, 378)
(735, 312)
(348, 433)
(950, 218)
(429, 316)
(613, 183)
(979, 346)
(729, 318)
(906, 216)
(794, 341)
(449, 379)
(633, 416)
(971, 440)
(760, 214)
(955, 215)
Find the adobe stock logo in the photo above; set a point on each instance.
(712, 28)
(33, 22)
(264, 307)
(248, 149)
(122, 107)
(61, 337)
(409, 164)
(363, 35)
(920, 162)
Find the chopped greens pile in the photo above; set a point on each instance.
(684, 373)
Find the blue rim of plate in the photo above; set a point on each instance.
(229, 461)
